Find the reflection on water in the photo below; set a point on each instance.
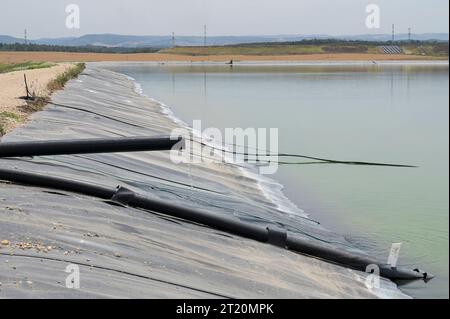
(381, 113)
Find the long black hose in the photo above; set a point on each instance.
(263, 153)
(87, 146)
(269, 234)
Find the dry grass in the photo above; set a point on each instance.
(431, 50)
(14, 57)
(29, 65)
(38, 101)
(15, 107)
(6, 118)
(61, 80)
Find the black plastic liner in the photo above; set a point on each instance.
(270, 235)
(103, 104)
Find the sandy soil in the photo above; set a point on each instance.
(12, 87)
(14, 57)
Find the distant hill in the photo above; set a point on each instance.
(134, 41)
(9, 40)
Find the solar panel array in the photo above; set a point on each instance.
(392, 49)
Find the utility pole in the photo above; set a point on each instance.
(173, 39)
(393, 32)
(25, 36)
(409, 34)
(204, 35)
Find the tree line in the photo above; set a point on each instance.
(84, 49)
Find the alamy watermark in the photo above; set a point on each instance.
(73, 17)
(373, 280)
(373, 16)
(73, 279)
(238, 146)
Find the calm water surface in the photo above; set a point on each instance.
(385, 113)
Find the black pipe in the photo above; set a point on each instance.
(352, 260)
(220, 222)
(274, 236)
(87, 146)
(38, 180)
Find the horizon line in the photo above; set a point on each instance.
(229, 35)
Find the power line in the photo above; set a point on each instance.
(204, 35)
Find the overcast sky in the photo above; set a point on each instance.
(46, 18)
